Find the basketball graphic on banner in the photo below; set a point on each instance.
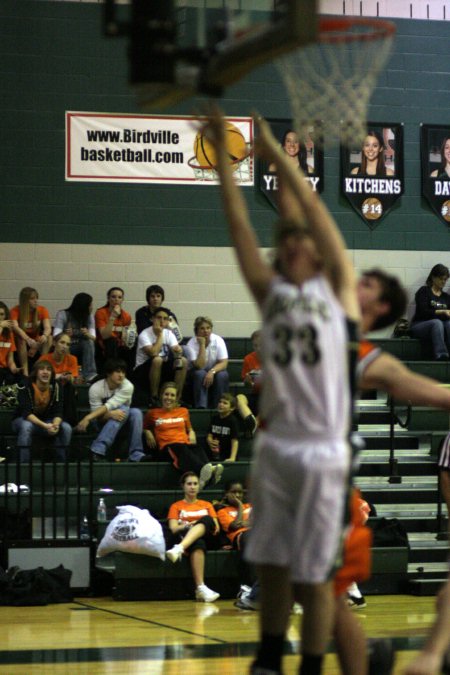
(445, 210)
(372, 208)
(236, 147)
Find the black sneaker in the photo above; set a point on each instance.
(98, 458)
(244, 602)
(381, 656)
(356, 603)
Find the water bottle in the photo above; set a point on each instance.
(174, 327)
(101, 511)
(130, 335)
(84, 529)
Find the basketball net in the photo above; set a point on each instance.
(330, 82)
(242, 170)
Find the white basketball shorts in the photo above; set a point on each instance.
(298, 492)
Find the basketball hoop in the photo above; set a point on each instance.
(241, 169)
(204, 161)
(331, 81)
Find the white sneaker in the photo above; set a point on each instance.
(205, 475)
(218, 471)
(174, 554)
(205, 594)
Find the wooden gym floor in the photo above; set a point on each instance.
(91, 636)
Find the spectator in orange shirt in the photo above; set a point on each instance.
(31, 323)
(64, 364)
(66, 370)
(192, 524)
(9, 372)
(233, 515)
(110, 321)
(169, 430)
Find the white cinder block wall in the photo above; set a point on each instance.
(197, 280)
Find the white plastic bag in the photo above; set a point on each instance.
(133, 530)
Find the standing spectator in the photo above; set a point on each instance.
(193, 523)
(110, 402)
(9, 372)
(155, 297)
(222, 437)
(207, 352)
(110, 321)
(40, 412)
(159, 357)
(169, 430)
(78, 322)
(431, 320)
(31, 323)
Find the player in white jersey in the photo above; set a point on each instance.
(302, 458)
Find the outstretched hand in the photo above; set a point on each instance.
(213, 125)
(265, 145)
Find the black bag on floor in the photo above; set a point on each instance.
(388, 532)
(22, 588)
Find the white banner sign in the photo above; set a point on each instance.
(151, 148)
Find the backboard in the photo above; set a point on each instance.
(179, 48)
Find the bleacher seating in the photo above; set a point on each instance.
(155, 486)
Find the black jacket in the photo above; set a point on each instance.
(26, 404)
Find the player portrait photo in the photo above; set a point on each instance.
(435, 155)
(304, 153)
(372, 171)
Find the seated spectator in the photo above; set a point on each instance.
(431, 320)
(110, 403)
(192, 524)
(233, 515)
(9, 372)
(31, 324)
(77, 321)
(64, 364)
(155, 297)
(110, 321)
(40, 412)
(222, 438)
(168, 429)
(66, 370)
(208, 355)
(159, 358)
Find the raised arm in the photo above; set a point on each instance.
(255, 270)
(389, 374)
(298, 202)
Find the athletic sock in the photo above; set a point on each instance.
(270, 652)
(311, 664)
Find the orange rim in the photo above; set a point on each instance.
(339, 30)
